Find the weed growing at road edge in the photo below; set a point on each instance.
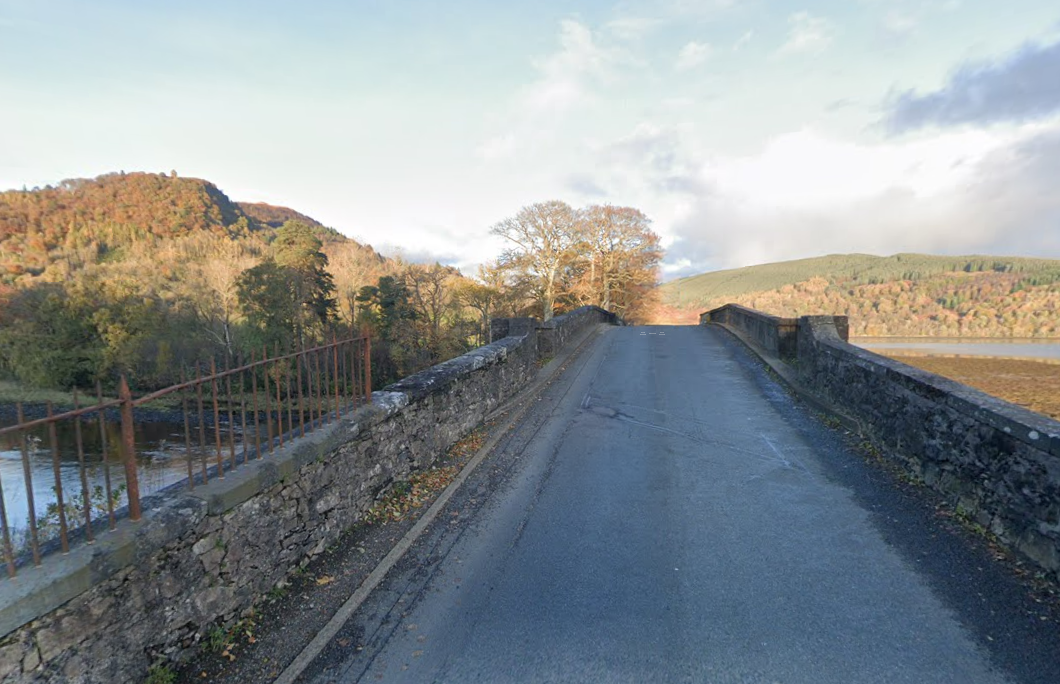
(160, 674)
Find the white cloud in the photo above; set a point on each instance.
(567, 73)
(498, 147)
(567, 79)
(805, 193)
(899, 24)
(631, 28)
(700, 8)
(807, 34)
(651, 160)
(807, 170)
(743, 40)
(692, 55)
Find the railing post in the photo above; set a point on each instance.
(368, 369)
(128, 443)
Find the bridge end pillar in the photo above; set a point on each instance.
(511, 327)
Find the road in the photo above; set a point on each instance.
(667, 513)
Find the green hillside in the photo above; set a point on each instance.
(902, 295)
(708, 289)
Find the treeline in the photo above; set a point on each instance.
(852, 269)
(145, 275)
(562, 258)
(174, 304)
(558, 259)
(166, 304)
(989, 303)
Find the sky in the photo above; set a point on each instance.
(749, 131)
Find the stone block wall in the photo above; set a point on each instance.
(556, 333)
(997, 462)
(776, 335)
(515, 327)
(152, 589)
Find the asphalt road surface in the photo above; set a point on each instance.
(667, 513)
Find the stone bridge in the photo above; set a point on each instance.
(749, 500)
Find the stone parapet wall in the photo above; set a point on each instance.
(515, 327)
(774, 334)
(152, 589)
(555, 334)
(997, 462)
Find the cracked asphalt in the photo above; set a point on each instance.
(667, 512)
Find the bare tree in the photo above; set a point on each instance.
(210, 286)
(353, 266)
(542, 236)
(431, 296)
(483, 300)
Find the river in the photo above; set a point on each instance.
(1047, 350)
(160, 452)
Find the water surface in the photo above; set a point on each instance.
(161, 456)
(995, 347)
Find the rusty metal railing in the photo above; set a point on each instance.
(309, 388)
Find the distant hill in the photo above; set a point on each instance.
(87, 221)
(903, 294)
(274, 217)
(108, 212)
(706, 288)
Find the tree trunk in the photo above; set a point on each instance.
(549, 300)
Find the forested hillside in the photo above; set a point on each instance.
(81, 222)
(148, 275)
(274, 217)
(144, 274)
(901, 295)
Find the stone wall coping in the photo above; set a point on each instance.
(565, 319)
(752, 313)
(1033, 429)
(437, 378)
(39, 590)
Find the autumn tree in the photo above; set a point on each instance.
(432, 297)
(352, 267)
(482, 299)
(602, 255)
(210, 290)
(515, 290)
(618, 258)
(541, 237)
